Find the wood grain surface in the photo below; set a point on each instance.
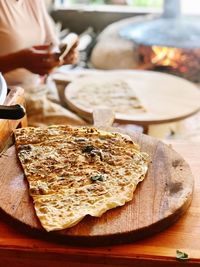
(159, 200)
(165, 97)
(20, 247)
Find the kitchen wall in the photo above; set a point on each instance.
(78, 20)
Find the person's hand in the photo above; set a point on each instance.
(38, 59)
(72, 56)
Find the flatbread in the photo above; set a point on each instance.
(88, 93)
(77, 171)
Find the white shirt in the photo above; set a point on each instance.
(23, 24)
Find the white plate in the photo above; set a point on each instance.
(3, 89)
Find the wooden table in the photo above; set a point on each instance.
(19, 247)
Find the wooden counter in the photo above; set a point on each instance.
(18, 247)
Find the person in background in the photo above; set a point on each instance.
(27, 34)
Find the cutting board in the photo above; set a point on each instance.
(166, 98)
(163, 196)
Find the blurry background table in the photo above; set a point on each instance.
(168, 99)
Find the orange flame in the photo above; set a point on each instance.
(167, 56)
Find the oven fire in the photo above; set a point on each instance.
(170, 43)
(181, 62)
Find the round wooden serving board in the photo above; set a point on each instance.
(163, 196)
(166, 98)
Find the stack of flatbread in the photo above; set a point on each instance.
(77, 171)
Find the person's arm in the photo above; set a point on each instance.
(9, 62)
(35, 59)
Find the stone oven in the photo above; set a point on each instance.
(170, 43)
